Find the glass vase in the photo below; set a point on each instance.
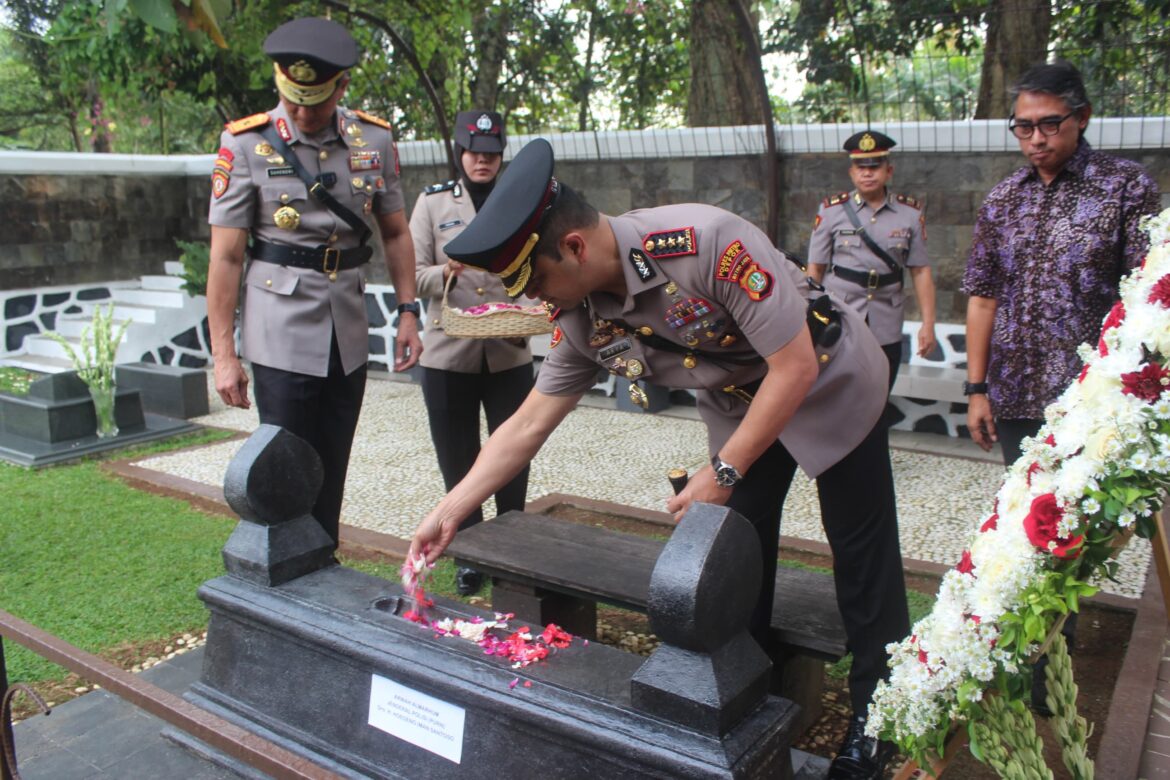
(103, 407)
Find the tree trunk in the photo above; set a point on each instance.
(491, 34)
(1017, 38)
(724, 77)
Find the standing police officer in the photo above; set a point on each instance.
(301, 182)
(459, 374)
(694, 296)
(866, 238)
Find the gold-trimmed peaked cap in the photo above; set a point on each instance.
(501, 237)
(309, 56)
(869, 148)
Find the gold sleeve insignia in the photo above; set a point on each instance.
(247, 123)
(373, 120)
(835, 200)
(913, 203)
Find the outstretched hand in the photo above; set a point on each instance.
(433, 535)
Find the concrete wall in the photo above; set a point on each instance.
(64, 228)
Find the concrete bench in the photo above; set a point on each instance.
(933, 383)
(548, 570)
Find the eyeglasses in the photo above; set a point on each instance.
(1024, 130)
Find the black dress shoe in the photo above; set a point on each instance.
(860, 757)
(468, 581)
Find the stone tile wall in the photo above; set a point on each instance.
(66, 230)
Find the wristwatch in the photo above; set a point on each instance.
(725, 474)
(974, 388)
(411, 307)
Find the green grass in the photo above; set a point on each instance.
(99, 564)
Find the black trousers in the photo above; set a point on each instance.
(453, 401)
(894, 356)
(324, 412)
(860, 520)
(1011, 434)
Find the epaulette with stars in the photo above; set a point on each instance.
(373, 120)
(835, 200)
(671, 243)
(913, 203)
(247, 123)
(442, 186)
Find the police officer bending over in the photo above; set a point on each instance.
(301, 182)
(694, 296)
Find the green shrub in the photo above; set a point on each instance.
(195, 257)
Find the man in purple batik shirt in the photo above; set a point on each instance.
(1051, 244)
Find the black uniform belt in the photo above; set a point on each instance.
(324, 259)
(870, 280)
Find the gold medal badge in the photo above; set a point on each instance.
(264, 149)
(287, 218)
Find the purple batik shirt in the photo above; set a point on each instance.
(1052, 256)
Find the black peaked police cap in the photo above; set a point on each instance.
(501, 237)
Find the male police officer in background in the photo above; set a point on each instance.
(301, 181)
(460, 375)
(694, 296)
(865, 238)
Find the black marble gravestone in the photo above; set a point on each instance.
(324, 664)
(56, 422)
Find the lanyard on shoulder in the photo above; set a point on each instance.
(869, 242)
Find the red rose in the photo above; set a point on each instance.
(1084, 373)
(1147, 384)
(1032, 470)
(991, 524)
(1041, 526)
(1161, 292)
(1115, 317)
(965, 566)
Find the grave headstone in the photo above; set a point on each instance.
(171, 391)
(326, 665)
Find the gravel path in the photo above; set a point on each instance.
(621, 457)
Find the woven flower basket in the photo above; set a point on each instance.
(495, 323)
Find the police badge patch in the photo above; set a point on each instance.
(641, 265)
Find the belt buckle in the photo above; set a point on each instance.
(871, 284)
(739, 393)
(335, 254)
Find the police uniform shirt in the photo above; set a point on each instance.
(897, 226)
(721, 288)
(288, 314)
(440, 214)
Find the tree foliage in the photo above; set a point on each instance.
(161, 75)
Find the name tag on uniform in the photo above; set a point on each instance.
(613, 350)
(284, 170)
(451, 224)
(848, 231)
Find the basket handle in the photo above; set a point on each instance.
(447, 287)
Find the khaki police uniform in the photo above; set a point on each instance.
(898, 227)
(461, 374)
(299, 325)
(715, 288)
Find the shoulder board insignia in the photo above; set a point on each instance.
(913, 203)
(671, 243)
(373, 120)
(440, 187)
(247, 123)
(835, 200)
